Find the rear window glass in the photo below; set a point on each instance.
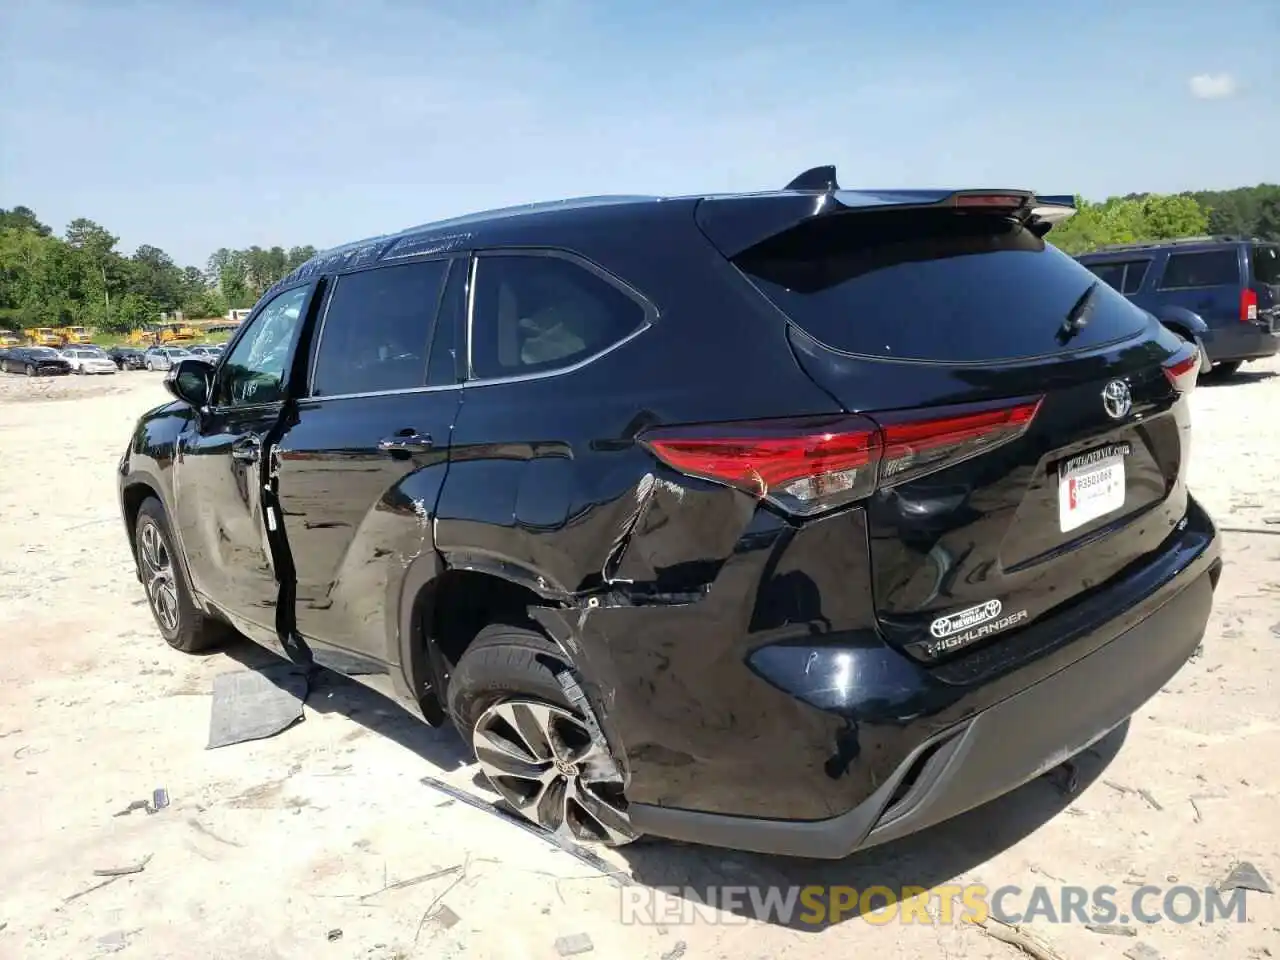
(1111, 274)
(930, 286)
(1212, 268)
(1266, 265)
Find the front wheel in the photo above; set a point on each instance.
(531, 742)
(169, 595)
(30, 369)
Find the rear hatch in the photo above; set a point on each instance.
(1265, 283)
(1032, 440)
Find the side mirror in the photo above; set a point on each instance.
(190, 381)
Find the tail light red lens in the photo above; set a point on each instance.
(1248, 305)
(808, 466)
(1183, 372)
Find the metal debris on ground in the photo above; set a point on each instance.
(1142, 951)
(1111, 929)
(124, 871)
(676, 952)
(1245, 876)
(593, 860)
(256, 704)
(1145, 794)
(334, 934)
(413, 881)
(574, 944)
(159, 800)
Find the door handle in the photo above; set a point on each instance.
(247, 450)
(407, 443)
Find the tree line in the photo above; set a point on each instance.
(82, 278)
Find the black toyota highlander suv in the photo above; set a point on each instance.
(793, 521)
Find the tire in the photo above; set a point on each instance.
(30, 370)
(507, 669)
(1227, 368)
(169, 595)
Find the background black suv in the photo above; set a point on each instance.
(793, 521)
(1220, 292)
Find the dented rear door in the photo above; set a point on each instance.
(360, 466)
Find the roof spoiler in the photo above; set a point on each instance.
(739, 222)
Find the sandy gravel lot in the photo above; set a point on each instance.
(279, 848)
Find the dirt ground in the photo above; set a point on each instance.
(280, 848)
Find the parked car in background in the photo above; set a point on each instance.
(207, 351)
(162, 358)
(748, 520)
(1221, 293)
(85, 360)
(128, 358)
(34, 362)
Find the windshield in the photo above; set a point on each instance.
(43, 353)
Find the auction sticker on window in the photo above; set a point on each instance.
(1091, 486)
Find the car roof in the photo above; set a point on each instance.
(543, 223)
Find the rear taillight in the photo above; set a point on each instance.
(1248, 305)
(810, 465)
(1182, 372)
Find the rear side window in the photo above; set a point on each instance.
(538, 313)
(1212, 268)
(1266, 264)
(934, 286)
(377, 328)
(1111, 274)
(1135, 271)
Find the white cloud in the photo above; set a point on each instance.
(1212, 86)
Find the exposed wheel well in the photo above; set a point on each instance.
(134, 495)
(1180, 330)
(455, 606)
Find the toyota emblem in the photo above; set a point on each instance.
(1116, 399)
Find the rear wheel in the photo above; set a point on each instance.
(1226, 369)
(31, 369)
(169, 595)
(533, 745)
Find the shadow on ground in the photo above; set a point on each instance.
(687, 872)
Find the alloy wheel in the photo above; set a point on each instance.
(157, 572)
(541, 759)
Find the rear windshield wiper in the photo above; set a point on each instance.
(1078, 315)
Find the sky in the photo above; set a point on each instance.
(198, 124)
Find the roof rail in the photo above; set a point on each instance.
(816, 178)
(1155, 244)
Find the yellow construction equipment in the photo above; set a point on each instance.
(42, 337)
(70, 336)
(8, 339)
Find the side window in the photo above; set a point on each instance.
(537, 313)
(377, 328)
(1134, 273)
(1214, 268)
(1112, 274)
(442, 364)
(254, 370)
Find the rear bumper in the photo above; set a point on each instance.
(1243, 341)
(999, 748)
